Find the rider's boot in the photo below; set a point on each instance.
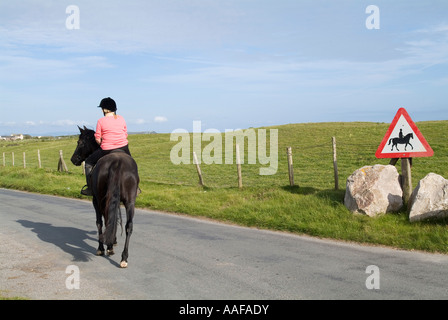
(86, 190)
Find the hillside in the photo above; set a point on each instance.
(266, 201)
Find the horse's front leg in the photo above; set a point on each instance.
(110, 250)
(118, 221)
(129, 228)
(110, 247)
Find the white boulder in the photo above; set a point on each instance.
(429, 200)
(374, 190)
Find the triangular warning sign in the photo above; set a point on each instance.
(403, 139)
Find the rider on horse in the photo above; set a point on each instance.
(111, 134)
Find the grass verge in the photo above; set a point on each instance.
(312, 207)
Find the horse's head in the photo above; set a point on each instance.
(86, 146)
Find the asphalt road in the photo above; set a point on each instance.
(48, 244)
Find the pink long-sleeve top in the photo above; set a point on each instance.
(112, 132)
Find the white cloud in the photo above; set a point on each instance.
(140, 121)
(18, 68)
(8, 123)
(64, 123)
(160, 119)
(106, 26)
(254, 52)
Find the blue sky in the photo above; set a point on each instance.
(227, 63)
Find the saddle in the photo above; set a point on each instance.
(117, 151)
(93, 168)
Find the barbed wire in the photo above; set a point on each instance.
(223, 178)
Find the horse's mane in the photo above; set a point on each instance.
(88, 134)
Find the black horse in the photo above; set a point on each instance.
(404, 140)
(114, 180)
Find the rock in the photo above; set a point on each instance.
(429, 200)
(374, 190)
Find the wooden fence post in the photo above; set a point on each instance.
(406, 179)
(61, 164)
(198, 169)
(290, 166)
(38, 158)
(24, 160)
(12, 158)
(4, 159)
(238, 166)
(335, 166)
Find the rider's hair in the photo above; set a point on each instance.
(108, 111)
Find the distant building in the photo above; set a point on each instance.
(12, 137)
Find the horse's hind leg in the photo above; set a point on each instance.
(99, 225)
(396, 147)
(393, 145)
(100, 250)
(129, 227)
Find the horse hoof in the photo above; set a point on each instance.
(123, 264)
(100, 253)
(110, 252)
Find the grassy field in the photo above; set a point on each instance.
(311, 207)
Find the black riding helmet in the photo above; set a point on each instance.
(109, 104)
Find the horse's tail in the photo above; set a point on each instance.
(390, 140)
(112, 204)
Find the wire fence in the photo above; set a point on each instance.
(327, 164)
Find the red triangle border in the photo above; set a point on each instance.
(402, 112)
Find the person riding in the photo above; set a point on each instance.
(111, 134)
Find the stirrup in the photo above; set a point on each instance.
(85, 191)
